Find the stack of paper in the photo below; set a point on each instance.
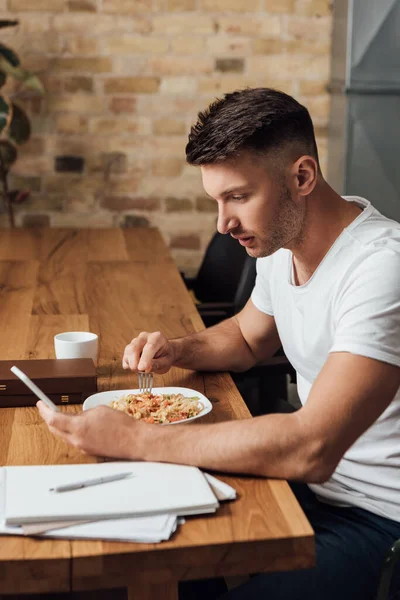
(143, 507)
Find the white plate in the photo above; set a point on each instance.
(106, 398)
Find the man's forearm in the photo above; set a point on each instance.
(272, 445)
(218, 348)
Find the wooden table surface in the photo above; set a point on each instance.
(117, 283)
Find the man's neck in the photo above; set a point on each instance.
(328, 214)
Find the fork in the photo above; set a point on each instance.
(145, 381)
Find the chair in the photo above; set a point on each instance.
(389, 586)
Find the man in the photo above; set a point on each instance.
(328, 290)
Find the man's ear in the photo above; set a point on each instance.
(304, 175)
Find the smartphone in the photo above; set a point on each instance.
(34, 388)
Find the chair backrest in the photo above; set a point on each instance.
(221, 270)
(246, 283)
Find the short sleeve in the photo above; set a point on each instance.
(367, 310)
(261, 296)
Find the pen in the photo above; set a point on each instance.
(88, 482)
(34, 388)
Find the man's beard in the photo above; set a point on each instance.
(286, 226)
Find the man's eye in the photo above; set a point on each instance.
(238, 198)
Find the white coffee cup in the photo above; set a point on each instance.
(76, 344)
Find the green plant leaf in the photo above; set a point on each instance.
(7, 23)
(9, 55)
(27, 77)
(20, 127)
(5, 113)
(8, 154)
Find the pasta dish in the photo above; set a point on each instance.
(158, 408)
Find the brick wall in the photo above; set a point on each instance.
(125, 80)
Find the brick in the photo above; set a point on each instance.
(169, 127)
(280, 6)
(167, 166)
(230, 5)
(135, 221)
(33, 165)
(319, 46)
(50, 43)
(240, 24)
(314, 8)
(71, 184)
(80, 103)
(91, 65)
(172, 103)
(309, 28)
(125, 105)
(81, 46)
(36, 221)
(136, 45)
(124, 187)
(181, 65)
(187, 45)
(181, 5)
(37, 5)
(69, 164)
(187, 242)
(268, 46)
(113, 162)
(231, 46)
(109, 125)
(78, 83)
(35, 145)
(21, 183)
(179, 85)
(101, 24)
(141, 85)
(44, 202)
(312, 88)
(178, 205)
(125, 203)
(71, 123)
(129, 65)
(51, 84)
(82, 5)
(35, 62)
(229, 65)
(127, 6)
(181, 24)
(223, 84)
(206, 205)
(288, 66)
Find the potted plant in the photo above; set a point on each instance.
(15, 128)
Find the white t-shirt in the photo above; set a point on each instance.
(350, 304)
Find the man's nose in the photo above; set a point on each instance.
(226, 222)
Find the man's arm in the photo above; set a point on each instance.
(235, 344)
(346, 399)
(348, 396)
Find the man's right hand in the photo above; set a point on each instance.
(149, 352)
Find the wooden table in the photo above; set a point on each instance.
(117, 283)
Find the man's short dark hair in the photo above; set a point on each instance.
(259, 120)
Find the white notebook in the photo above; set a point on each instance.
(154, 488)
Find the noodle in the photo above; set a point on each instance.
(158, 408)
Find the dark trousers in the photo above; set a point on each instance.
(350, 543)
